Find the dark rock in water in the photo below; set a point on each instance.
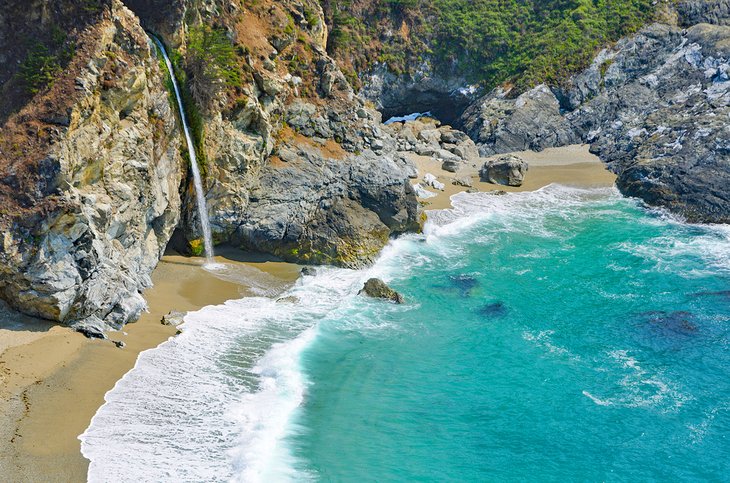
(119, 344)
(309, 272)
(679, 323)
(376, 288)
(465, 283)
(508, 170)
(496, 309)
(720, 293)
(173, 318)
(288, 300)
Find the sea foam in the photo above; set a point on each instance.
(212, 403)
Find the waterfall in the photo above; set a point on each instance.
(199, 195)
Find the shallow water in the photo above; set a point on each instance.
(560, 334)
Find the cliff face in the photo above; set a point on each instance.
(89, 174)
(654, 106)
(291, 155)
(97, 160)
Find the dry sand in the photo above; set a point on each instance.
(54, 380)
(570, 165)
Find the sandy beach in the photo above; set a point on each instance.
(54, 380)
(569, 165)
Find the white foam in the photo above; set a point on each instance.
(212, 404)
(640, 387)
(523, 210)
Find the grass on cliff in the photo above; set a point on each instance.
(490, 42)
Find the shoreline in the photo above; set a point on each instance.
(54, 380)
(570, 165)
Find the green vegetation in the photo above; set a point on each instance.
(211, 63)
(45, 62)
(522, 42)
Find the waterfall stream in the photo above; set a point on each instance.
(199, 195)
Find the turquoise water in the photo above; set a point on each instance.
(574, 338)
(559, 335)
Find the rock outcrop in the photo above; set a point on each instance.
(89, 179)
(297, 165)
(659, 119)
(378, 289)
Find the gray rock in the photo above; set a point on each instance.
(376, 288)
(92, 327)
(309, 272)
(451, 166)
(464, 181)
(532, 121)
(693, 12)
(508, 170)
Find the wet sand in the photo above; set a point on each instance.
(570, 165)
(54, 380)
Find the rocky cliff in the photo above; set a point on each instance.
(654, 107)
(93, 172)
(90, 171)
(296, 164)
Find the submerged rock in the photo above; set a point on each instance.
(508, 170)
(376, 288)
(496, 309)
(671, 324)
(464, 283)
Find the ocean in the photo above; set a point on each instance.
(561, 334)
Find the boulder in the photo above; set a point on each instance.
(508, 170)
(173, 318)
(309, 272)
(452, 166)
(376, 288)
